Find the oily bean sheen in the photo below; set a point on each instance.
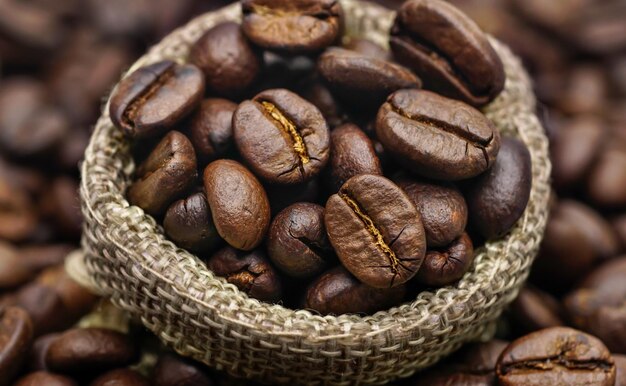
(121, 377)
(238, 204)
(448, 50)
(292, 26)
(211, 129)
(284, 138)
(189, 224)
(165, 175)
(437, 137)
(338, 292)
(171, 370)
(498, 198)
(297, 242)
(42, 378)
(557, 356)
(442, 207)
(376, 231)
(360, 79)
(155, 97)
(16, 336)
(352, 153)
(447, 265)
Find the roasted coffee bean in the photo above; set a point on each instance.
(171, 370)
(283, 138)
(230, 64)
(77, 300)
(338, 292)
(442, 207)
(282, 196)
(297, 241)
(363, 81)
(189, 224)
(212, 130)
(18, 216)
(318, 94)
(292, 26)
(90, 351)
(40, 257)
(121, 377)
(620, 366)
(251, 272)
(238, 204)
(62, 204)
(167, 173)
(598, 306)
(498, 198)
(41, 378)
(13, 272)
(16, 336)
(351, 153)
(45, 308)
(606, 185)
(437, 137)
(556, 356)
(17, 267)
(447, 265)
(367, 47)
(154, 98)
(584, 91)
(38, 352)
(31, 26)
(376, 231)
(448, 50)
(535, 310)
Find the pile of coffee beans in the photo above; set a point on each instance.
(310, 169)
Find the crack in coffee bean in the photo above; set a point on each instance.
(290, 128)
(133, 108)
(244, 279)
(552, 363)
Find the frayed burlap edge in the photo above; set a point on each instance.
(201, 316)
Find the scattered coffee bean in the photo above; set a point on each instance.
(16, 336)
(606, 184)
(37, 356)
(323, 99)
(121, 377)
(376, 231)
(437, 137)
(154, 98)
(447, 265)
(171, 370)
(282, 196)
(367, 47)
(620, 366)
(212, 130)
(238, 204)
(13, 272)
(283, 138)
(18, 216)
(535, 310)
(41, 378)
(189, 224)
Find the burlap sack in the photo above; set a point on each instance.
(127, 258)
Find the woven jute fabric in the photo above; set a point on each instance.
(127, 257)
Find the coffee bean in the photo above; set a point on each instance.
(361, 80)
(13, 272)
(323, 99)
(31, 26)
(448, 50)
(620, 365)
(292, 26)
(238, 204)
(442, 207)
(437, 137)
(62, 205)
(189, 224)
(445, 266)
(37, 356)
(45, 308)
(230, 64)
(154, 98)
(452, 376)
(498, 198)
(367, 47)
(556, 356)
(606, 185)
(16, 336)
(535, 310)
(121, 377)
(171, 370)
(297, 241)
(40, 257)
(90, 351)
(598, 306)
(376, 231)
(251, 272)
(212, 130)
(165, 175)
(76, 299)
(18, 216)
(282, 196)
(283, 138)
(44, 378)
(338, 292)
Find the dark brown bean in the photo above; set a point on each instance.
(189, 224)
(45, 308)
(447, 265)
(498, 198)
(230, 64)
(212, 130)
(62, 204)
(367, 47)
(171, 370)
(42, 378)
(442, 207)
(238, 203)
(167, 173)
(155, 97)
(90, 351)
(37, 356)
(556, 356)
(283, 138)
(448, 50)
(318, 94)
(16, 336)
(376, 231)
(620, 365)
(251, 272)
(13, 272)
(282, 196)
(292, 26)
(363, 81)
(121, 377)
(606, 185)
(535, 310)
(297, 241)
(338, 292)
(18, 216)
(437, 137)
